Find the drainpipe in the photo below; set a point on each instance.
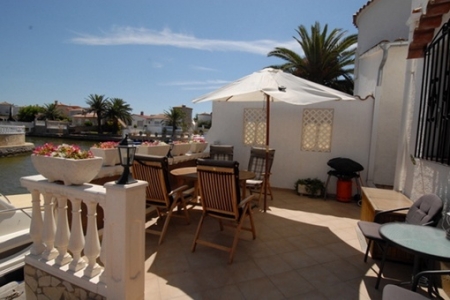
(404, 140)
(376, 109)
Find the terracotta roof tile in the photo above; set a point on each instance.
(428, 22)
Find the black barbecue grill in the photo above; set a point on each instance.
(345, 169)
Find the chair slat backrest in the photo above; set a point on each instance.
(154, 170)
(257, 161)
(218, 183)
(221, 152)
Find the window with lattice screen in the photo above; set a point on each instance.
(317, 127)
(254, 126)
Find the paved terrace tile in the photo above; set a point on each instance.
(305, 248)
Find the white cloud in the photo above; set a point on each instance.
(200, 68)
(206, 82)
(142, 36)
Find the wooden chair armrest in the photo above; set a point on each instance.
(380, 213)
(179, 190)
(245, 201)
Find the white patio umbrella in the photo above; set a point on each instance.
(273, 85)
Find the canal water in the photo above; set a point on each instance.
(15, 167)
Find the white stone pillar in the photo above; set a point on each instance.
(124, 239)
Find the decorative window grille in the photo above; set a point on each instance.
(433, 130)
(317, 127)
(254, 126)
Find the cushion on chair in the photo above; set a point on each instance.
(424, 210)
(370, 230)
(253, 182)
(394, 292)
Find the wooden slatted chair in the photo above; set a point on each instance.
(218, 184)
(155, 170)
(221, 152)
(257, 165)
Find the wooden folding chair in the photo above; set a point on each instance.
(257, 165)
(155, 170)
(221, 152)
(218, 184)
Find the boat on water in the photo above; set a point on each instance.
(15, 239)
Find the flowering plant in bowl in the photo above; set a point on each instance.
(67, 163)
(198, 139)
(63, 151)
(106, 145)
(154, 143)
(156, 148)
(178, 142)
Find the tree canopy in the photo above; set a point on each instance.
(328, 57)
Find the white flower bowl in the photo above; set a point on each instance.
(159, 150)
(180, 149)
(110, 156)
(70, 171)
(198, 147)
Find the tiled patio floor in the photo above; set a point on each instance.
(304, 249)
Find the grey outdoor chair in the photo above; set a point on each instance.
(424, 211)
(221, 152)
(395, 292)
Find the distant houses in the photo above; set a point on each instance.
(78, 120)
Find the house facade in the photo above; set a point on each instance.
(68, 111)
(148, 124)
(7, 109)
(423, 153)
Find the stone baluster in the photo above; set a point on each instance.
(62, 232)
(36, 224)
(103, 250)
(92, 246)
(76, 242)
(48, 236)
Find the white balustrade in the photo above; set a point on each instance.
(12, 129)
(113, 269)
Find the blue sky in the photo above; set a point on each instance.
(153, 54)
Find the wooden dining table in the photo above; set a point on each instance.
(189, 175)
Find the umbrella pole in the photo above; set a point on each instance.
(266, 173)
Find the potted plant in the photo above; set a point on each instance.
(108, 151)
(198, 144)
(67, 163)
(313, 187)
(157, 148)
(179, 148)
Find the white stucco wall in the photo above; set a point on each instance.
(382, 20)
(381, 67)
(350, 138)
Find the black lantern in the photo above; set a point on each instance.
(126, 155)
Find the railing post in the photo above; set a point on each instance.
(37, 224)
(124, 239)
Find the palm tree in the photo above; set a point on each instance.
(328, 58)
(118, 110)
(174, 118)
(51, 112)
(98, 104)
